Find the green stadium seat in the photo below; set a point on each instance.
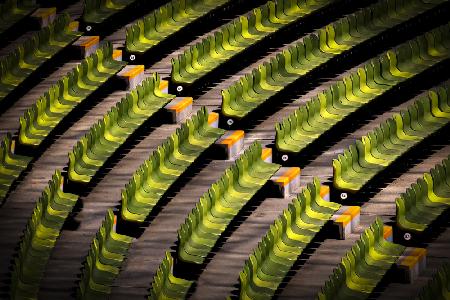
(106, 255)
(11, 165)
(271, 77)
(165, 285)
(237, 36)
(106, 136)
(32, 53)
(363, 267)
(437, 287)
(221, 203)
(165, 165)
(12, 11)
(49, 110)
(42, 258)
(165, 21)
(310, 121)
(97, 11)
(40, 237)
(286, 239)
(382, 146)
(425, 200)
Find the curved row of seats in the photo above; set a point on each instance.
(165, 285)
(393, 138)
(50, 109)
(12, 11)
(425, 200)
(363, 267)
(154, 177)
(310, 121)
(109, 133)
(278, 250)
(316, 49)
(11, 165)
(286, 239)
(40, 236)
(237, 36)
(104, 260)
(33, 52)
(97, 11)
(102, 263)
(108, 248)
(165, 21)
(221, 203)
(437, 287)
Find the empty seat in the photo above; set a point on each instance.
(42, 232)
(316, 49)
(165, 21)
(360, 87)
(155, 176)
(363, 267)
(381, 147)
(108, 134)
(33, 52)
(12, 11)
(238, 35)
(50, 109)
(286, 239)
(437, 287)
(425, 200)
(11, 165)
(97, 11)
(104, 260)
(221, 204)
(165, 285)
